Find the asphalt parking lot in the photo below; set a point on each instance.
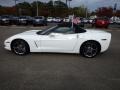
(52, 71)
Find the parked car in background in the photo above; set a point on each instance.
(57, 20)
(39, 20)
(24, 20)
(66, 19)
(14, 20)
(0, 19)
(85, 20)
(101, 22)
(117, 21)
(90, 21)
(50, 19)
(111, 21)
(5, 20)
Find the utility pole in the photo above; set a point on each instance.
(53, 2)
(69, 2)
(37, 7)
(86, 12)
(114, 11)
(15, 2)
(15, 6)
(66, 2)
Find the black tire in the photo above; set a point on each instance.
(90, 49)
(20, 47)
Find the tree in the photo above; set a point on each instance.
(24, 8)
(42, 8)
(80, 11)
(60, 9)
(117, 13)
(7, 10)
(50, 3)
(104, 12)
(0, 6)
(60, 4)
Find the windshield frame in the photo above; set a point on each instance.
(43, 32)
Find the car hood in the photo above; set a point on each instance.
(30, 32)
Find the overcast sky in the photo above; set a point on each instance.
(91, 4)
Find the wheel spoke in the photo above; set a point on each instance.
(90, 49)
(19, 47)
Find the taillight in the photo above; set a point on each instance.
(103, 22)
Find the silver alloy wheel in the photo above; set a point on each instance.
(90, 49)
(19, 47)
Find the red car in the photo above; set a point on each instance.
(101, 22)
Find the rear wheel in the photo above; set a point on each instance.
(20, 47)
(90, 49)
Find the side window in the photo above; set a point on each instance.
(64, 30)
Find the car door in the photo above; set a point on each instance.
(58, 41)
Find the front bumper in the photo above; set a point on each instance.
(7, 45)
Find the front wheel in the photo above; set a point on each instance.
(20, 47)
(90, 49)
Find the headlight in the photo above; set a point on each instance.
(4, 19)
(7, 41)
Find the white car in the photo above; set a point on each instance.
(117, 22)
(57, 19)
(90, 21)
(86, 20)
(49, 19)
(60, 39)
(66, 19)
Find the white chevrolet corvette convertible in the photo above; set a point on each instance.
(60, 39)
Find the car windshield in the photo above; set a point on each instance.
(45, 31)
(62, 29)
